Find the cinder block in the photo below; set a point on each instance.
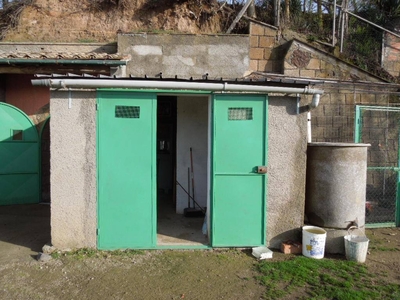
(256, 29)
(270, 32)
(254, 41)
(290, 247)
(256, 53)
(294, 73)
(314, 64)
(267, 41)
(254, 65)
(307, 73)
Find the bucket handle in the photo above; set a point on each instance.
(353, 228)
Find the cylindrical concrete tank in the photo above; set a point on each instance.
(336, 184)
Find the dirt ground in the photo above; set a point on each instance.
(157, 274)
(86, 21)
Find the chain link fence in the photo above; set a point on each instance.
(379, 126)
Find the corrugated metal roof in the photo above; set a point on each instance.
(321, 81)
(62, 55)
(281, 82)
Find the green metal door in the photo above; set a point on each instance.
(19, 157)
(126, 170)
(239, 191)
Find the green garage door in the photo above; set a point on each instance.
(239, 191)
(19, 157)
(126, 170)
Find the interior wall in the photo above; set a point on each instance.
(192, 131)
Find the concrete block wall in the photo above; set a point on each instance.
(391, 56)
(185, 55)
(381, 130)
(333, 120)
(302, 60)
(264, 54)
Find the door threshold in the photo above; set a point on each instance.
(183, 247)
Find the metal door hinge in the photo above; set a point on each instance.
(97, 106)
(97, 231)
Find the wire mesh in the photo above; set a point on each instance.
(380, 128)
(381, 196)
(240, 113)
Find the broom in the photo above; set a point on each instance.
(192, 211)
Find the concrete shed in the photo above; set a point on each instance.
(130, 156)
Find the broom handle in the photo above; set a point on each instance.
(188, 188)
(191, 164)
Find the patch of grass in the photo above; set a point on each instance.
(90, 252)
(322, 279)
(82, 253)
(84, 41)
(127, 252)
(383, 248)
(56, 255)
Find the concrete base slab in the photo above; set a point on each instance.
(174, 229)
(335, 239)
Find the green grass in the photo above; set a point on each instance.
(323, 279)
(90, 252)
(383, 248)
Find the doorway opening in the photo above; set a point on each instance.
(182, 124)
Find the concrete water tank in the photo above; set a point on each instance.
(336, 184)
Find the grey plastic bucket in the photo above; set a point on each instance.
(356, 247)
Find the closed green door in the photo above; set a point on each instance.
(126, 170)
(239, 191)
(19, 157)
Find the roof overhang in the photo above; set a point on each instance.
(234, 86)
(33, 63)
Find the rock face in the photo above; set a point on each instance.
(102, 20)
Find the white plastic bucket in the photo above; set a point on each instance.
(356, 247)
(314, 242)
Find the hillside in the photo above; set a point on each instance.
(101, 20)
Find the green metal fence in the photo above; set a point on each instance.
(379, 126)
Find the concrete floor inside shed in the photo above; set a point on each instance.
(176, 230)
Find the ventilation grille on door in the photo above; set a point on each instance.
(130, 112)
(240, 113)
(17, 135)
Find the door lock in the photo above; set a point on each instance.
(262, 169)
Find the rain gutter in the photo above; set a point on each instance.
(173, 85)
(45, 61)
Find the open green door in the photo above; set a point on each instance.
(19, 157)
(126, 170)
(239, 190)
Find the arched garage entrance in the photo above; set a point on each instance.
(19, 157)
